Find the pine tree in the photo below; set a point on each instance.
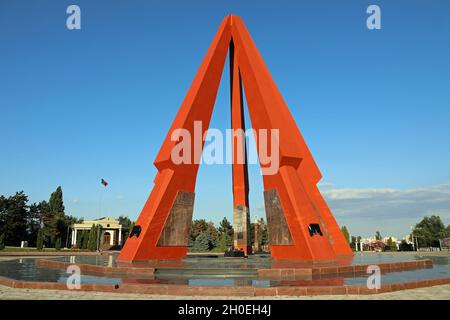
(264, 232)
(378, 235)
(92, 242)
(222, 243)
(56, 202)
(58, 244)
(48, 222)
(226, 227)
(85, 239)
(13, 218)
(79, 239)
(197, 227)
(40, 240)
(353, 243)
(33, 224)
(56, 207)
(346, 233)
(2, 241)
(213, 233)
(202, 242)
(98, 233)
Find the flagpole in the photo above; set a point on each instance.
(99, 216)
(104, 184)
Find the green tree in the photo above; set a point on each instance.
(79, 240)
(429, 231)
(56, 206)
(13, 218)
(378, 235)
(56, 203)
(222, 243)
(226, 232)
(58, 244)
(353, 242)
(125, 222)
(53, 218)
(226, 227)
(40, 240)
(198, 227)
(92, 241)
(3, 214)
(391, 244)
(264, 232)
(447, 232)
(346, 233)
(404, 246)
(213, 233)
(33, 224)
(84, 239)
(202, 242)
(2, 241)
(48, 222)
(251, 233)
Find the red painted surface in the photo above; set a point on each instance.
(240, 174)
(296, 180)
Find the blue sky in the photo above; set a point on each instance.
(373, 105)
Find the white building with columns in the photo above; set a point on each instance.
(110, 231)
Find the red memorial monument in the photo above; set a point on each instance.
(300, 224)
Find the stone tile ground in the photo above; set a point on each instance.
(7, 293)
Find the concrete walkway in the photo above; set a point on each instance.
(7, 293)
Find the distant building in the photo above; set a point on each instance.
(376, 245)
(372, 244)
(110, 231)
(408, 239)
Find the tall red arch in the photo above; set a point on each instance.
(301, 226)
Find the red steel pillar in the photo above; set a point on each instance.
(299, 228)
(241, 214)
(162, 229)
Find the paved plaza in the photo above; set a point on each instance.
(7, 293)
(440, 292)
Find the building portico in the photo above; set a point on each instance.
(110, 231)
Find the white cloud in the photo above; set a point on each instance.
(343, 194)
(325, 184)
(393, 210)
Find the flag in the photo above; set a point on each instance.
(104, 182)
